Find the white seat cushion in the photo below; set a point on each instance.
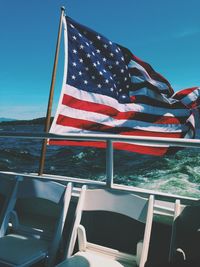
(86, 259)
(18, 249)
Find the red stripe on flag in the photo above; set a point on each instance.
(179, 95)
(82, 124)
(94, 107)
(155, 151)
(152, 134)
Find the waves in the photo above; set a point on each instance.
(176, 174)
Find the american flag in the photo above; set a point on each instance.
(110, 91)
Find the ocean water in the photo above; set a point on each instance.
(176, 174)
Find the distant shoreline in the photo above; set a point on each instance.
(25, 122)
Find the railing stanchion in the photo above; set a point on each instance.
(109, 164)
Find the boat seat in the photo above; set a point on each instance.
(88, 259)
(185, 241)
(32, 248)
(8, 188)
(95, 255)
(37, 221)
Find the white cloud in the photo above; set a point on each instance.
(187, 32)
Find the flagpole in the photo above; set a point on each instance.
(50, 102)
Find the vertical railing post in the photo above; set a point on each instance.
(109, 164)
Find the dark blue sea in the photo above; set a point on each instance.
(176, 174)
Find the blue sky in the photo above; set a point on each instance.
(164, 33)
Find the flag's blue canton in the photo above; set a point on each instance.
(96, 64)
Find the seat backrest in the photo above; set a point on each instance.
(8, 189)
(39, 205)
(186, 232)
(129, 205)
(41, 209)
(124, 203)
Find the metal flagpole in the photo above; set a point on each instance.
(50, 102)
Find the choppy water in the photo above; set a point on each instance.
(179, 173)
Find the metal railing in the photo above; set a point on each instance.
(110, 139)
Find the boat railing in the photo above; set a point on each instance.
(110, 139)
